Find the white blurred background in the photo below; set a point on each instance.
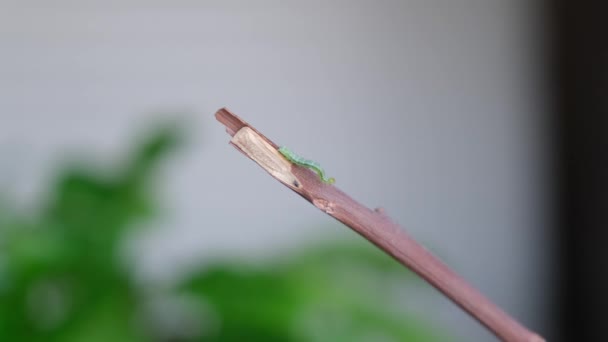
(430, 109)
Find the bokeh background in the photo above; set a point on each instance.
(114, 171)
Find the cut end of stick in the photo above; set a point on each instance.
(234, 123)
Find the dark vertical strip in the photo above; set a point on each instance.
(580, 89)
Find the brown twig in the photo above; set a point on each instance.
(375, 226)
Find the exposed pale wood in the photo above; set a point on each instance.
(377, 227)
(267, 156)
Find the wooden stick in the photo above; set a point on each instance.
(375, 226)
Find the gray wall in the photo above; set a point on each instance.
(427, 108)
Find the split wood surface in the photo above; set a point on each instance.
(375, 226)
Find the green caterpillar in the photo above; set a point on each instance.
(294, 158)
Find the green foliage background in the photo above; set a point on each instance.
(61, 278)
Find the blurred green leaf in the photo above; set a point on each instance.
(60, 280)
(59, 277)
(238, 293)
(335, 292)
